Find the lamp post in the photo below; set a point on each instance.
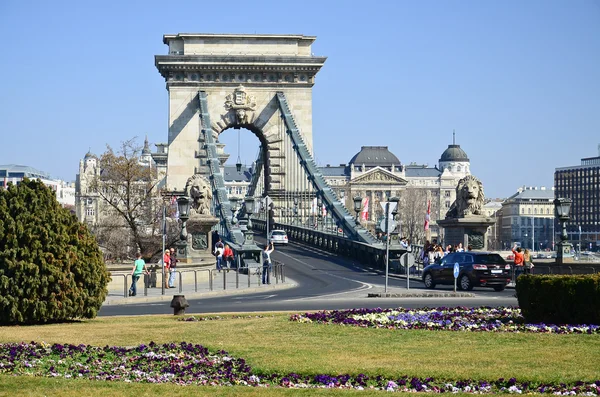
(234, 207)
(579, 241)
(183, 205)
(357, 203)
(391, 210)
(532, 225)
(249, 203)
(562, 207)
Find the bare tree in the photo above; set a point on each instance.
(128, 189)
(413, 207)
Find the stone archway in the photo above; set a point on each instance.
(241, 75)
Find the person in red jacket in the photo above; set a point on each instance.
(518, 261)
(228, 256)
(167, 266)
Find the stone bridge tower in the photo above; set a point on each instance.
(241, 74)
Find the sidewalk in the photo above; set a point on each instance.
(191, 282)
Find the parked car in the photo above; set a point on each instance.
(483, 269)
(278, 237)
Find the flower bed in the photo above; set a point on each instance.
(188, 364)
(482, 319)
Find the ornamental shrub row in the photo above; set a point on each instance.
(51, 268)
(554, 299)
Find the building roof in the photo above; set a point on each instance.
(341, 170)
(373, 156)
(29, 172)
(146, 149)
(454, 153)
(421, 172)
(533, 194)
(89, 154)
(231, 174)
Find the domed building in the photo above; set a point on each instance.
(376, 174)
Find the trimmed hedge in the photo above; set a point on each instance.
(557, 299)
(51, 269)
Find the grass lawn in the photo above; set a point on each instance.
(274, 344)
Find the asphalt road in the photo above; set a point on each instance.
(324, 282)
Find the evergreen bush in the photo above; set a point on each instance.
(558, 299)
(51, 269)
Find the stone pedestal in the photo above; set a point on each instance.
(564, 251)
(470, 231)
(199, 239)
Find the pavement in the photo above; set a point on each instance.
(193, 283)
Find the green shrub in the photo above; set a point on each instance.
(554, 299)
(51, 269)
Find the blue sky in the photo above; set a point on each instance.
(519, 81)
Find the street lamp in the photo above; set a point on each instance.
(562, 207)
(234, 207)
(249, 203)
(183, 206)
(389, 224)
(357, 203)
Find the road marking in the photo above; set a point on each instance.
(363, 285)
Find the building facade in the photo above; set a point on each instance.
(527, 218)
(581, 184)
(376, 174)
(89, 207)
(12, 173)
(493, 209)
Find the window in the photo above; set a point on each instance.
(447, 193)
(89, 212)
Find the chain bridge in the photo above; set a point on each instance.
(262, 83)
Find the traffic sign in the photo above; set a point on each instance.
(407, 260)
(392, 206)
(392, 225)
(456, 270)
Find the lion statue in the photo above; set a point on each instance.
(469, 198)
(198, 189)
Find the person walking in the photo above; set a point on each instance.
(172, 267)
(228, 257)
(167, 267)
(219, 249)
(527, 262)
(139, 268)
(517, 262)
(266, 257)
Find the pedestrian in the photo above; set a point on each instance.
(139, 268)
(404, 243)
(527, 262)
(219, 249)
(460, 248)
(517, 261)
(228, 257)
(438, 254)
(166, 267)
(266, 257)
(449, 249)
(172, 267)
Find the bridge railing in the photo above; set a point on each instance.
(369, 255)
(204, 280)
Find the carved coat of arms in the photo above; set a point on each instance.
(241, 103)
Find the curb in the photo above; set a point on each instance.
(196, 295)
(422, 295)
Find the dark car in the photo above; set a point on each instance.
(476, 269)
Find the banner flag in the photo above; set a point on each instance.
(427, 215)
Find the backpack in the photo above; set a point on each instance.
(265, 256)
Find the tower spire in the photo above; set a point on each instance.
(453, 137)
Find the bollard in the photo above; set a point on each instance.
(179, 304)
